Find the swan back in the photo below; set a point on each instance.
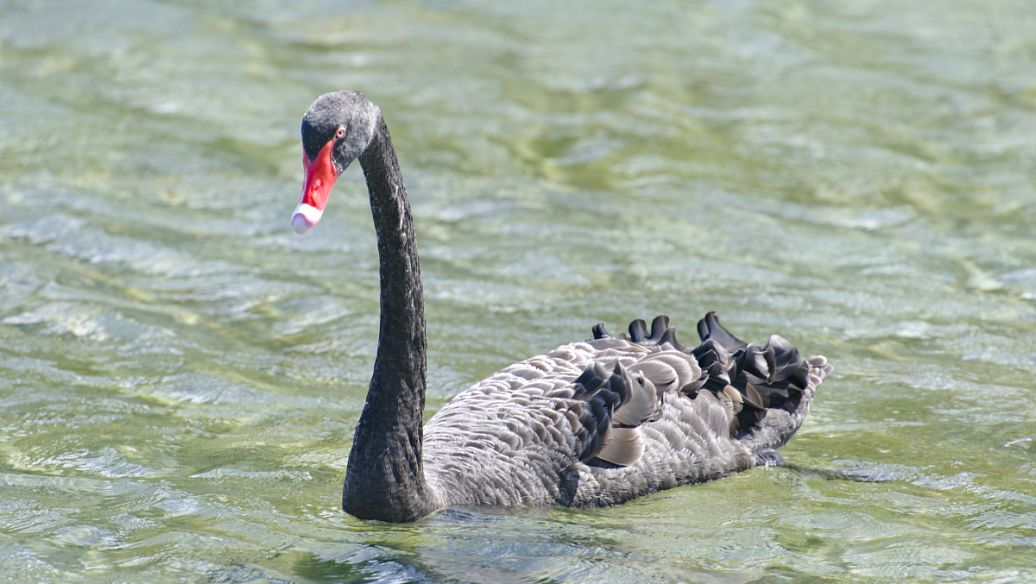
(603, 420)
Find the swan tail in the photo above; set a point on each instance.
(770, 387)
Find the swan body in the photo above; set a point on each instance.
(591, 423)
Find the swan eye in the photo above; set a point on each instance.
(340, 133)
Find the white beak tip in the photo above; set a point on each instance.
(305, 218)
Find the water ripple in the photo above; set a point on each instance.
(180, 375)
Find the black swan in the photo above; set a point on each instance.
(591, 423)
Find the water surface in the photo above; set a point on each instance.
(180, 374)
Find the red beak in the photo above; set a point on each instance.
(320, 177)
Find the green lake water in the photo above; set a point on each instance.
(180, 374)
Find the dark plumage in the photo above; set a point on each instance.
(594, 422)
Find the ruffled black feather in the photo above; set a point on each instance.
(767, 377)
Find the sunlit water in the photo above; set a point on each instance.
(180, 374)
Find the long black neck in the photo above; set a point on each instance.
(385, 478)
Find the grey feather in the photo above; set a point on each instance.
(622, 447)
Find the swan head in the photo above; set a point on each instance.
(336, 130)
